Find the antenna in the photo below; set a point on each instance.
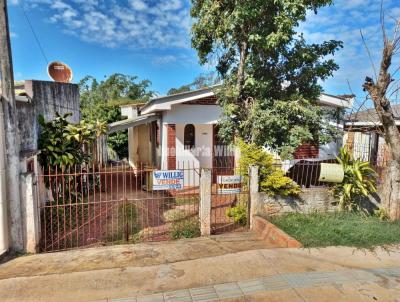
(59, 72)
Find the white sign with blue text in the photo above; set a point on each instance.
(168, 180)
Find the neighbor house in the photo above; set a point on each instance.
(364, 136)
(180, 130)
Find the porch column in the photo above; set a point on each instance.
(171, 146)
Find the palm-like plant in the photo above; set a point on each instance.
(359, 180)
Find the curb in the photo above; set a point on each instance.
(271, 233)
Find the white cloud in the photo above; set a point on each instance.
(162, 60)
(343, 22)
(137, 24)
(138, 5)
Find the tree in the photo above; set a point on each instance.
(380, 89)
(101, 101)
(63, 145)
(270, 73)
(203, 80)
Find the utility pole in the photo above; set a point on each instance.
(11, 134)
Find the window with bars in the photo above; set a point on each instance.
(189, 137)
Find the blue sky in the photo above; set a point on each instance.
(151, 39)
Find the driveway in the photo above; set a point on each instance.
(233, 267)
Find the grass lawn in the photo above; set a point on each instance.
(338, 229)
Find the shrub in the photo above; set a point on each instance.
(272, 179)
(278, 184)
(359, 181)
(238, 213)
(382, 214)
(187, 228)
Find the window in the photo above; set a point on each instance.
(189, 139)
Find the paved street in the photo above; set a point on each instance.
(233, 267)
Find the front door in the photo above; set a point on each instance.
(223, 156)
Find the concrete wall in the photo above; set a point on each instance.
(312, 199)
(47, 98)
(30, 215)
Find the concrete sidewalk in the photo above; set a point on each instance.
(203, 270)
(367, 284)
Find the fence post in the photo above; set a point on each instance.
(205, 202)
(30, 213)
(254, 195)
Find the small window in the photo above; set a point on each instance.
(189, 139)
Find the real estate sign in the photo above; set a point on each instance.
(229, 184)
(168, 180)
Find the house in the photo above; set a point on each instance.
(363, 136)
(180, 130)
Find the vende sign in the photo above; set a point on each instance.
(229, 184)
(168, 180)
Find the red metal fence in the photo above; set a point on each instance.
(104, 205)
(89, 206)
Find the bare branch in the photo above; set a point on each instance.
(369, 54)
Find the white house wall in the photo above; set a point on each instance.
(164, 147)
(193, 114)
(200, 157)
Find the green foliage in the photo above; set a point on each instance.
(125, 224)
(62, 144)
(272, 179)
(238, 213)
(270, 73)
(382, 214)
(338, 229)
(102, 100)
(186, 228)
(278, 184)
(203, 80)
(359, 181)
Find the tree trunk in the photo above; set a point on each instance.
(240, 75)
(390, 190)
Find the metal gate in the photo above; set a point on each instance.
(229, 211)
(104, 205)
(92, 206)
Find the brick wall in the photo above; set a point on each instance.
(306, 150)
(171, 145)
(211, 100)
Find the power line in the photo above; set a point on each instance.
(34, 33)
